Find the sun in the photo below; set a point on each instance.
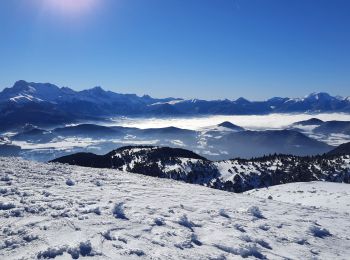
(70, 7)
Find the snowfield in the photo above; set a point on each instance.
(333, 196)
(68, 212)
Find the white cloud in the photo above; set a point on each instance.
(253, 122)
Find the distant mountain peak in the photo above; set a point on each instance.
(311, 121)
(277, 99)
(98, 88)
(146, 96)
(231, 126)
(20, 83)
(242, 100)
(319, 96)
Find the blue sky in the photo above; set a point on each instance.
(185, 48)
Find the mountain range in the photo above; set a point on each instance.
(223, 141)
(46, 104)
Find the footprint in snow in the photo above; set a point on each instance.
(184, 221)
(118, 211)
(224, 214)
(255, 212)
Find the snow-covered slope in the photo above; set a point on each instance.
(333, 196)
(235, 175)
(63, 212)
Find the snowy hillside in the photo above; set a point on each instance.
(63, 212)
(235, 175)
(333, 196)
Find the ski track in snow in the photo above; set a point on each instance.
(64, 212)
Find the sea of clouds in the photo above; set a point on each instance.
(251, 122)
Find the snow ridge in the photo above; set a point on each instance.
(235, 175)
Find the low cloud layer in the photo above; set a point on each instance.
(253, 122)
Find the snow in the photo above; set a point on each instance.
(230, 168)
(4, 140)
(109, 214)
(172, 102)
(177, 143)
(22, 98)
(326, 195)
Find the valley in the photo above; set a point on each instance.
(223, 141)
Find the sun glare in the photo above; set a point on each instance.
(70, 7)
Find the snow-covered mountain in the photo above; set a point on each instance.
(47, 104)
(23, 92)
(52, 211)
(315, 102)
(235, 175)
